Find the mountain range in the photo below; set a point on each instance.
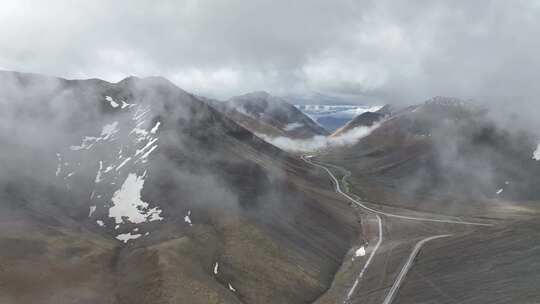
(141, 192)
(270, 115)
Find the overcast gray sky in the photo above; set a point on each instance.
(386, 50)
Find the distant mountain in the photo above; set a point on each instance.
(247, 121)
(366, 119)
(333, 117)
(139, 192)
(270, 115)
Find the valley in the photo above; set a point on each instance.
(158, 195)
(384, 221)
(269, 152)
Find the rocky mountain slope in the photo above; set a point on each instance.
(441, 158)
(442, 153)
(139, 192)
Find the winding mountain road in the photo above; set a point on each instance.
(409, 262)
(306, 158)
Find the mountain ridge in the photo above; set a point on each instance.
(146, 172)
(275, 112)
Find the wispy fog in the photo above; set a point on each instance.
(93, 144)
(319, 142)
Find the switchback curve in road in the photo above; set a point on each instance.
(305, 158)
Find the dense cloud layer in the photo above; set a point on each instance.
(380, 51)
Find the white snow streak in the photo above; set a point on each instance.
(98, 174)
(92, 210)
(148, 153)
(59, 166)
(123, 163)
(216, 268)
(187, 218)
(155, 128)
(148, 144)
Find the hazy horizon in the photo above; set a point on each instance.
(383, 51)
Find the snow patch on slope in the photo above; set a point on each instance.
(360, 252)
(131, 139)
(125, 237)
(536, 153)
(112, 102)
(187, 218)
(127, 203)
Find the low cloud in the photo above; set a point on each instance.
(319, 142)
